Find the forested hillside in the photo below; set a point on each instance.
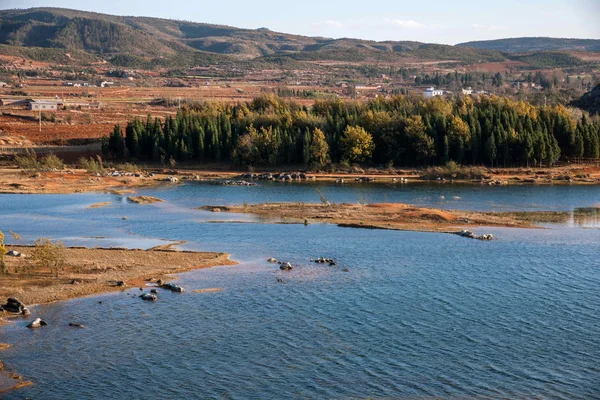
(398, 131)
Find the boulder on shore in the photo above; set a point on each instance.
(38, 322)
(14, 253)
(15, 306)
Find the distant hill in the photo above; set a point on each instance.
(529, 44)
(79, 37)
(108, 36)
(590, 101)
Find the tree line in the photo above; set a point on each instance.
(400, 131)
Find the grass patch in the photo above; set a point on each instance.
(453, 170)
(144, 199)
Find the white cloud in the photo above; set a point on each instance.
(408, 24)
(331, 24)
(491, 28)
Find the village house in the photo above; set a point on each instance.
(468, 91)
(432, 92)
(76, 83)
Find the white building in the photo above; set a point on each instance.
(43, 105)
(467, 92)
(432, 92)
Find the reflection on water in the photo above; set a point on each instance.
(587, 217)
(416, 315)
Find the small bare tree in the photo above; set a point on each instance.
(3, 269)
(49, 255)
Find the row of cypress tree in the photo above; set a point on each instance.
(404, 131)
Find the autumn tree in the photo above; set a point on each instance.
(319, 149)
(49, 255)
(356, 144)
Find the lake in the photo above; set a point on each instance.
(416, 315)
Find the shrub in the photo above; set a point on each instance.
(91, 165)
(128, 167)
(51, 161)
(48, 255)
(453, 170)
(28, 161)
(48, 117)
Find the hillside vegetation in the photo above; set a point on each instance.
(528, 44)
(590, 101)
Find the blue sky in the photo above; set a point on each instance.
(446, 22)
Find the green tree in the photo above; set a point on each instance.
(490, 150)
(422, 145)
(116, 143)
(306, 143)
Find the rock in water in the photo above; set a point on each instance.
(488, 236)
(272, 260)
(76, 325)
(38, 322)
(173, 287)
(286, 266)
(148, 297)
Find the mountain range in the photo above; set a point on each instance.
(153, 41)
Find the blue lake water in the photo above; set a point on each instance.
(417, 315)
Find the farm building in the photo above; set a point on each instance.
(43, 105)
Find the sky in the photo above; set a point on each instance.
(431, 21)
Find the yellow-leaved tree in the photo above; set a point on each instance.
(49, 255)
(357, 144)
(319, 149)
